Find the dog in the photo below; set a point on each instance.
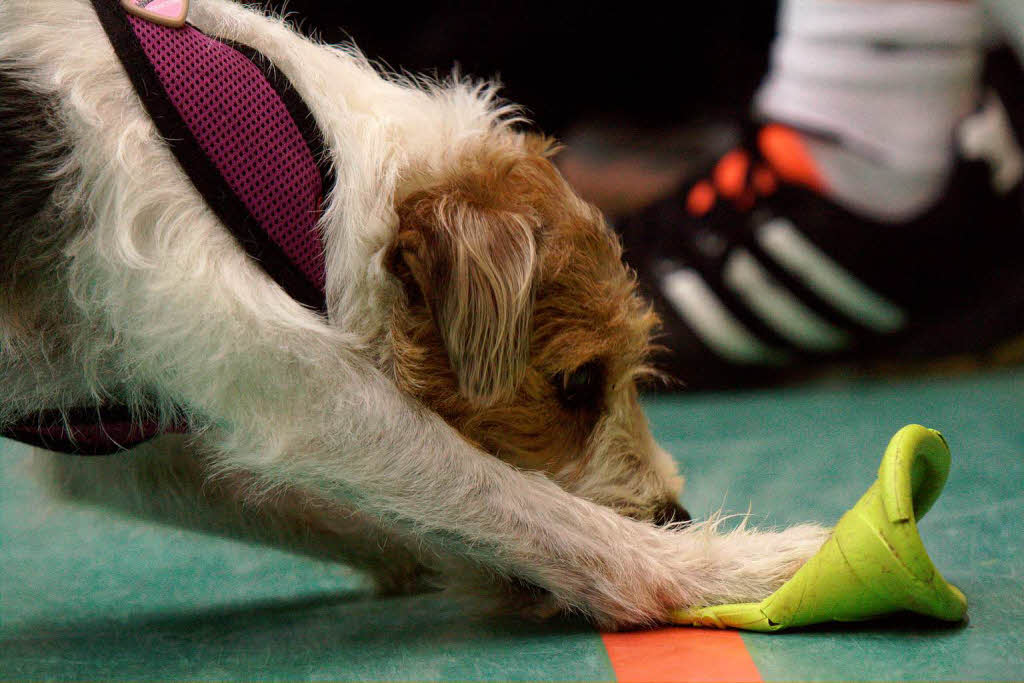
(464, 409)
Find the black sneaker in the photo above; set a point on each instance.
(761, 279)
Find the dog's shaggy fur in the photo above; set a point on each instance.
(469, 403)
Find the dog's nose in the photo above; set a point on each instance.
(671, 512)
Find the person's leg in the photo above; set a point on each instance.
(882, 85)
(862, 216)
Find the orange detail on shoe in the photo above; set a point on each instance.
(701, 198)
(730, 173)
(784, 149)
(764, 181)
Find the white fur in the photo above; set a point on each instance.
(282, 398)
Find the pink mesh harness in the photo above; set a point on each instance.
(251, 148)
(248, 134)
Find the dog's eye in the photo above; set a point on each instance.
(582, 387)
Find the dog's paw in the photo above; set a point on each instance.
(755, 564)
(695, 567)
(503, 595)
(542, 608)
(800, 543)
(529, 602)
(794, 546)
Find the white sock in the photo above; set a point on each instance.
(889, 81)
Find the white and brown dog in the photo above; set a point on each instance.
(465, 402)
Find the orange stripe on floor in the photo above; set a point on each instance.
(680, 654)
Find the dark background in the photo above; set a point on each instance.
(646, 65)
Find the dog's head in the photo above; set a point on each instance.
(523, 329)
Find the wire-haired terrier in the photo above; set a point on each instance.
(352, 314)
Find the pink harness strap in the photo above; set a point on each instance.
(84, 432)
(245, 130)
(251, 148)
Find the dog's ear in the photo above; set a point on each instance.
(473, 263)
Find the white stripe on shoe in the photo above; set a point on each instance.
(712, 321)
(826, 278)
(777, 307)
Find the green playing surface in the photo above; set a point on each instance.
(87, 596)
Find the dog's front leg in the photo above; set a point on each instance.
(422, 478)
(359, 442)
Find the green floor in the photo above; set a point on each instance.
(88, 597)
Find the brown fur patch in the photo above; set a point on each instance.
(583, 304)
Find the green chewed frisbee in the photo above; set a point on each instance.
(873, 564)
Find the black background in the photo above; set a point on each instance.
(648, 65)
